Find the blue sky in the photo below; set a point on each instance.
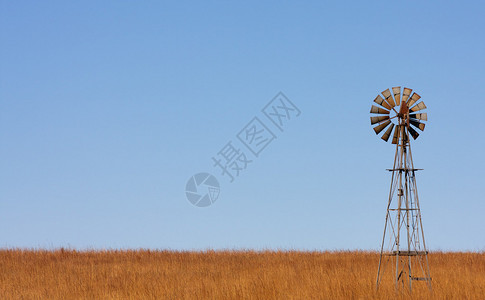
(108, 108)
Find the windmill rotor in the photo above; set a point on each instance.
(398, 113)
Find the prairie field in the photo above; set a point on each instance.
(148, 274)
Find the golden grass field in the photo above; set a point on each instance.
(145, 274)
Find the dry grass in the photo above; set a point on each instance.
(144, 274)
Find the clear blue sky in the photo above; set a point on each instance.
(107, 108)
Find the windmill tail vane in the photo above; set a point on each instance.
(403, 255)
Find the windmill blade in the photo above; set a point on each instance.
(388, 132)
(417, 124)
(381, 101)
(413, 132)
(418, 107)
(406, 93)
(378, 119)
(423, 117)
(397, 94)
(395, 137)
(414, 98)
(378, 110)
(388, 97)
(404, 108)
(381, 127)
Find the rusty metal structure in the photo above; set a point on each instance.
(403, 255)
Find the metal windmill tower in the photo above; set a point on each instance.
(403, 255)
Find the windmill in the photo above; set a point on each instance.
(403, 255)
